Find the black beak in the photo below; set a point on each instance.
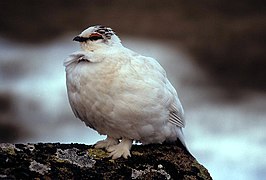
(80, 39)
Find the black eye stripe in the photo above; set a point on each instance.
(94, 38)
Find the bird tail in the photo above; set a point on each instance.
(181, 138)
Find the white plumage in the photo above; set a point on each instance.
(121, 94)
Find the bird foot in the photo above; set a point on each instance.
(104, 144)
(121, 149)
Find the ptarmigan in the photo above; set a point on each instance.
(121, 94)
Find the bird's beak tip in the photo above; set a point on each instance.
(77, 38)
(80, 39)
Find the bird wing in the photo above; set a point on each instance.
(176, 115)
(171, 100)
(78, 111)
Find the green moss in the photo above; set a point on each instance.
(136, 153)
(10, 151)
(97, 153)
(55, 158)
(58, 160)
(8, 148)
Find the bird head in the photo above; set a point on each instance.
(96, 37)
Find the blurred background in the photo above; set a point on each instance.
(213, 52)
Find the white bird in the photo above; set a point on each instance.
(121, 93)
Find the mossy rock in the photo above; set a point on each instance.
(79, 161)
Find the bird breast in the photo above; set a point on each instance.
(119, 97)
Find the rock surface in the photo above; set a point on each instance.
(79, 161)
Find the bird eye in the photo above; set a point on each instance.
(95, 36)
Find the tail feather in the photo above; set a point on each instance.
(181, 138)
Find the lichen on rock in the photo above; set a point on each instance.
(38, 167)
(136, 174)
(70, 155)
(79, 161)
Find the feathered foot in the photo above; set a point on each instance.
(105, 144)
(121, 149)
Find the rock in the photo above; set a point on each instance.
(79, 161)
